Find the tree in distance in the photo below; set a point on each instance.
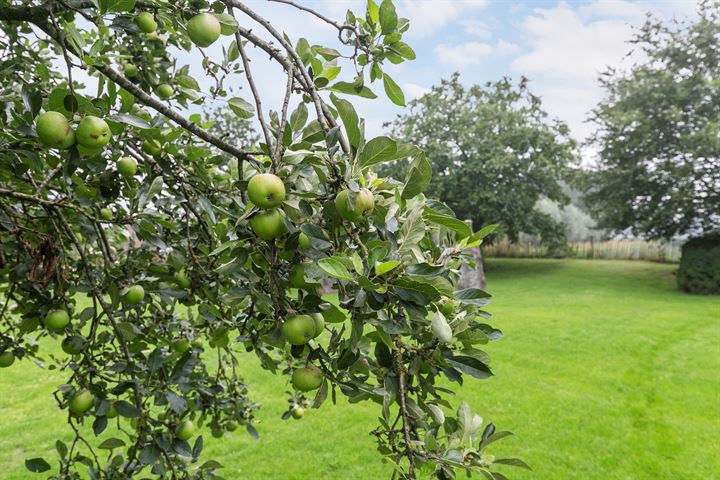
(81, 402)
(185, 430)
(307, 378)
(127, 167)
(57, 320)
(165, 91)
(299, 329)
(134, 294)
(54, 130)
(6, 359)
(363, 205)
(93, 132)
(203, 29)
(146, 22)
(266, 190)
(268, 224)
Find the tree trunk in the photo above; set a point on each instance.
(473, 277)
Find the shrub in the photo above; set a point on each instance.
(699, 270)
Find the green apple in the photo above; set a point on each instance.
(54, 130)
(304, 241)
(363, 205)
(151, 147)
(231, 426)
(299, 329)
(146, 22)
(266, 190)
(127, 167)
(203, 29)
(268, 224)
(106, 213)
(130, 70)
(112, 411)
(93, 132)
(57, 320)
(298, 411)
(182, 280)
(134, 294)
(319, 322)
(81, 402)
(6, 359)
(307, 378)
(73, 345)
(180, 345)
(185, 430)
(164, 91)
(447, 306)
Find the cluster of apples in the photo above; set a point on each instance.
(299, 330)
(203, 29)
(55, 131)
(267, 192)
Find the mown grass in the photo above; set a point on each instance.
(605, 372)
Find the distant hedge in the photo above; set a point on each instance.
(700, 265)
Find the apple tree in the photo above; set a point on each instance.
(158, 253)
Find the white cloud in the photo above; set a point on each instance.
(427, 16)
(414, 91)
(476, 28)
(471, 53)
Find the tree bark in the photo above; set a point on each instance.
(473, 277)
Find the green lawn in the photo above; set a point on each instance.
(605, 372)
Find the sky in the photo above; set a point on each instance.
(561, 46)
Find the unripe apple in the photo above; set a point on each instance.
(298, 411)
(181, 345)
(268, 224)
(307, 378)
(81, 402)
(165, 91)
(127, 167)
(354, 211)
(6, 359)
(231, 426)
(151, 147)
(266, 190)
(203, 29)
(146, 22)
(93, 132)
(304, 241)
(185, 430)
(73, 345)
(57, 320)
(112, 411)
(54, 130)
(130, 70)
(106, 214)
(299, 329)
(134, 294)
(319, 322)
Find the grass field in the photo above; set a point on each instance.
(605, 372)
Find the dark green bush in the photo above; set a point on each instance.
(699, 270)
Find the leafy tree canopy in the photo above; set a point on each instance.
(155, 247)
(658, 169)
(493, 150)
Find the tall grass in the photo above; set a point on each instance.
(654, 251)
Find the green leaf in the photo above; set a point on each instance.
(476, 238)
(126, 409)
(233, 52)
(393, 91)
(335, 268)
(447, 221)
(298, 117)
(350, 119)
(388, 17)
(128, 119)
(228, 24)
(418, 176)
(117, 5)
(349, 89)
(241, 108)
(378, 150)
(373, 12)
(470, 366)
(473, 296)
(111, 443)
(187, 81)
(384, 267)
(515, 462)
(37, 465)
(404, 50)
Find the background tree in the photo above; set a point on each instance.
(494, 153)
(658, 165)
(153, 259)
